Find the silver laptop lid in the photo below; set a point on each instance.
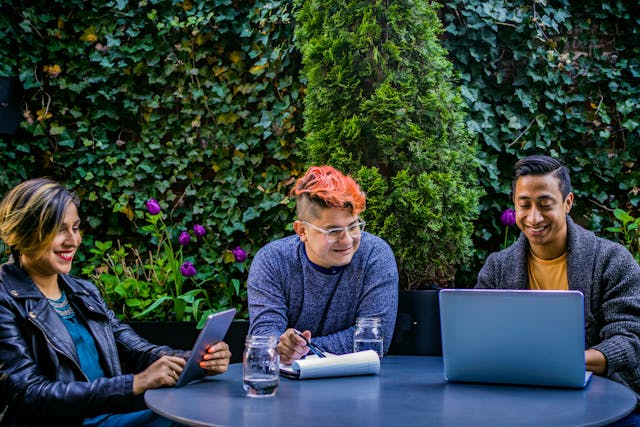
(513, 336)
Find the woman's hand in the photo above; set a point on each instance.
(161, 373)
(216, 359)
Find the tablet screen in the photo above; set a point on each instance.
(213, 331)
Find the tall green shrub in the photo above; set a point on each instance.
(381, 105)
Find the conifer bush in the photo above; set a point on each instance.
(381, 104)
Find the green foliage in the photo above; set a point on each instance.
(196, 104)
(199, 105)
(629, 228)
(126, 288)
(160, 285)
(557, 78)
(381, 105)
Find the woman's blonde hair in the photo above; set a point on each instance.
(32, 213)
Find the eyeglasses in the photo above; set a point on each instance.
(334, 234)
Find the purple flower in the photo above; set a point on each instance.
(199, 231)
(184, 238)
(508, 217)
(153, 207)
(239, 254)
(187, 269)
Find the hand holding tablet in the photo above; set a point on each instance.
(213, 331)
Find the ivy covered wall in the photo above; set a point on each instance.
(199, 105)
(195, 104)
(559, 78)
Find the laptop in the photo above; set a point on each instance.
(513, 337)
(213, 331)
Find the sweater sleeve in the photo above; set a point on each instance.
(619, 310)
(266, 295)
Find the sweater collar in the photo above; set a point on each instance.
(577, 261)
(323, 270)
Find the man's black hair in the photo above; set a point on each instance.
(538, 164)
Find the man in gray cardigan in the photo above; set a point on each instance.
(320, 279)
(553, 252)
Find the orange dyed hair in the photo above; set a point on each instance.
(329, 188)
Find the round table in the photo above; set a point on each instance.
(410, 391)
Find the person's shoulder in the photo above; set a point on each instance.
(588, 236)
(283, 244)
(279, 250)
(4, 292)
(589, 242)
(9, 271)
(14, 281)
(616, 250)
(372, 246)
(373, 240)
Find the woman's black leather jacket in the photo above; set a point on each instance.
(40, 376)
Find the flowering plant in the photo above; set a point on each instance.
(508, 219)
(178, 280)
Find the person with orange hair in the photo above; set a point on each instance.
(329, 273)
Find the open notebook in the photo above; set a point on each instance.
(359, 363)
(514, 337)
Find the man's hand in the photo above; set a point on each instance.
(595, 361)
(292, 347)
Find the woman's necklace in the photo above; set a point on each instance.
(62, 306)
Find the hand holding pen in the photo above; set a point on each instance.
(294, 345)
(314, 348)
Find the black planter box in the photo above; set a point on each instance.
(182, 335)
(417, 329)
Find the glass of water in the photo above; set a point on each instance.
(260, 366)
(367, 335)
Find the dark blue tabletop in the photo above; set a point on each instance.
(410, 391)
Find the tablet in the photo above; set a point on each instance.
(213, 331)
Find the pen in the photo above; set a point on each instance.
(314, 348)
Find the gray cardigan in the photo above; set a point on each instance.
(609, 278)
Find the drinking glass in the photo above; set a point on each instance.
(260, 366)
(368, 336)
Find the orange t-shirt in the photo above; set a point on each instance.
(548, 274)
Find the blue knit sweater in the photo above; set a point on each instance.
(608, 277)
(285, 290)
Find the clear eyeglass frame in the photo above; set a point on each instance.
(334, 234)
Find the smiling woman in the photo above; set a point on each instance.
(63, 320)
(57, 249)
